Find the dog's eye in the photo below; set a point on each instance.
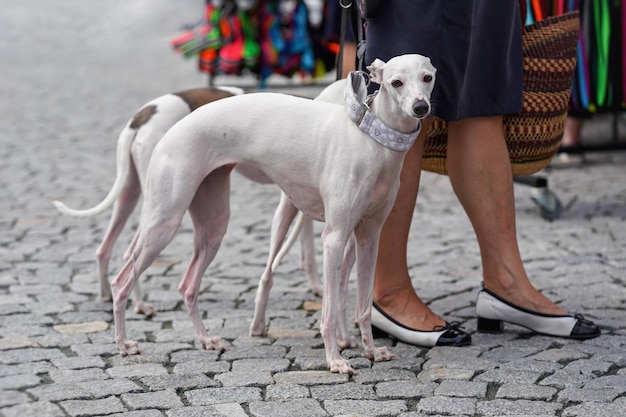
(397, 83)
(428, 78)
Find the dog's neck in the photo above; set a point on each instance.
(371, 114)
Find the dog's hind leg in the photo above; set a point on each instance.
(283, 217)
(307, 256)
(152, 240)
(209, 212)
(122, 208)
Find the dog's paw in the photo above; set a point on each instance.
(347, 342)
(146, 309)
(341, 366)
(128, 347)
(213, 343)
(258, 329)
(379, 354)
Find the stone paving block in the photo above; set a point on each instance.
(405, 389)
(139, 370)
(17, 342)
(517, 391)
(372, 376)
(501, 376)
(517, 407)
(310, 378)
(254, 352)
(209, 368)
(80, 408)
(77, 375)
(39, 367)
(39, 409)
(60, 392)
(269, 365)
(19, 381)
(195, 356)
(543, 367)
(608, 381)
(90, 349)
(348, 391)
(247, 378)
(447, 406)
(311, 363)
(56, 340)
(212, 396)
(561, 380)
(286, 392)
(587, 366)
(219, 410)
(17, 356)
(436, 374)
(454, 388)
(365, 407)
(10, 397)
(596, 395)
(592, 409)
(162, 400)
(185, 381)
(558, 355)
(107, 387)
(79, 362)
(142, 413)
(300, 407)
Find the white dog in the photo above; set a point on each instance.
(338, 164)
(135, 145)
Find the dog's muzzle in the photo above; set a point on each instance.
(421, 108)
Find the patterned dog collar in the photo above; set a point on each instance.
(357, 105)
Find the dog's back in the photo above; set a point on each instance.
(299, 143)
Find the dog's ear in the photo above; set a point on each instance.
(376, 71)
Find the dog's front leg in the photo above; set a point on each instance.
(367, 235)
(344, 338)
(334, 245)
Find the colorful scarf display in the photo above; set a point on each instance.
(261, 37)
(600, 80)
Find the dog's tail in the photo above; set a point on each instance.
(288, 243)
(124, 142)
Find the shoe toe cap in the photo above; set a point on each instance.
(585, 329)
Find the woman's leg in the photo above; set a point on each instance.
(393, 290)
(480, 173)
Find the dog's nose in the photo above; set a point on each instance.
(421, 108)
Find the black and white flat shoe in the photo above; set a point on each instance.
(448, 335)
(492, 311)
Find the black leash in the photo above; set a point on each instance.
(342, 35)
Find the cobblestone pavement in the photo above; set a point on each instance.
(71, 73)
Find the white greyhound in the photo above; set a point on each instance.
(135, 145)
(338, 164)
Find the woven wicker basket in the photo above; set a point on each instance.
(534, 134)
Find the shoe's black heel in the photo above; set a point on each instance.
(378, 333)
(489, 325)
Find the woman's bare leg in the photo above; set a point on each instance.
(393, 290)
(480, 173)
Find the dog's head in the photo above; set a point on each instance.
(408, 79)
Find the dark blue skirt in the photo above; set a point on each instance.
(475, 45)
